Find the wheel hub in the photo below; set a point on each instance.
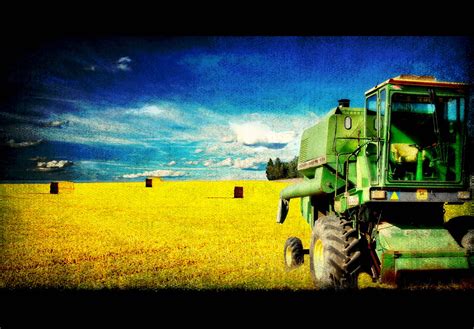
(318, 259)
(289, 257)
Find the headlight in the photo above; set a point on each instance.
(464, 195)
(378, 195)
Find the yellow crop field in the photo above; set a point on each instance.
(189, 235)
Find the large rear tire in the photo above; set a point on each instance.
(335, 256)
(467, 241)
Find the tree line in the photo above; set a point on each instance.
(280, 170)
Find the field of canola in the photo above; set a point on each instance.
(187, 235)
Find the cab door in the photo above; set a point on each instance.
(375, 105)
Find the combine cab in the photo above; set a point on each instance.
(376, 181)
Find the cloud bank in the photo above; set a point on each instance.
(258, 134)
(53, 165)
(253, 163)
(159, 173)
(11, 143)
(55, 124)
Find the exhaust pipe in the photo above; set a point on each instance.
(344, 102)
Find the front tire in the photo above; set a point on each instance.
(335, 256)
(293, 253)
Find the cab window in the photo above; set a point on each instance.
(372, 104)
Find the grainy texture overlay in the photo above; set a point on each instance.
(192, 235)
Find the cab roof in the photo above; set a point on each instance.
(418, 80)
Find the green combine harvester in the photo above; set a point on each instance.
(377, 181)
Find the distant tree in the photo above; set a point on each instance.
(280, 169)
(270, 171)
(293, 168)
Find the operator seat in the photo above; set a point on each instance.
(403, 153)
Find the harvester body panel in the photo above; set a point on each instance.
(407, 149)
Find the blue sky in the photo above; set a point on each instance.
(197, 107)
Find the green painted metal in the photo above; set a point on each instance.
(410, 141)
(330, 137)
(362, 153)
(307, 209)
(348, 200)
(437, 262)
(393, 263)
(303, 189)
(323, 181)
(452, 144)
(402, 248)
(405, 238)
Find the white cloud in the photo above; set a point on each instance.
(192, 162)
(212, 148)
(151, 110)
(225, 163)
(245, 175)
(96, 128)
(228, 139)
(171, 163)
(123, 63)
(125, 59)
(198, 151)
(163, 111)
(54, 164)
(258, 134)
(62, 99)
(95, 124)
(248, 163)
(210, 126)
(123, 67)
(55, 123)
(11, 143)
(97, 139)
(159, 173)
